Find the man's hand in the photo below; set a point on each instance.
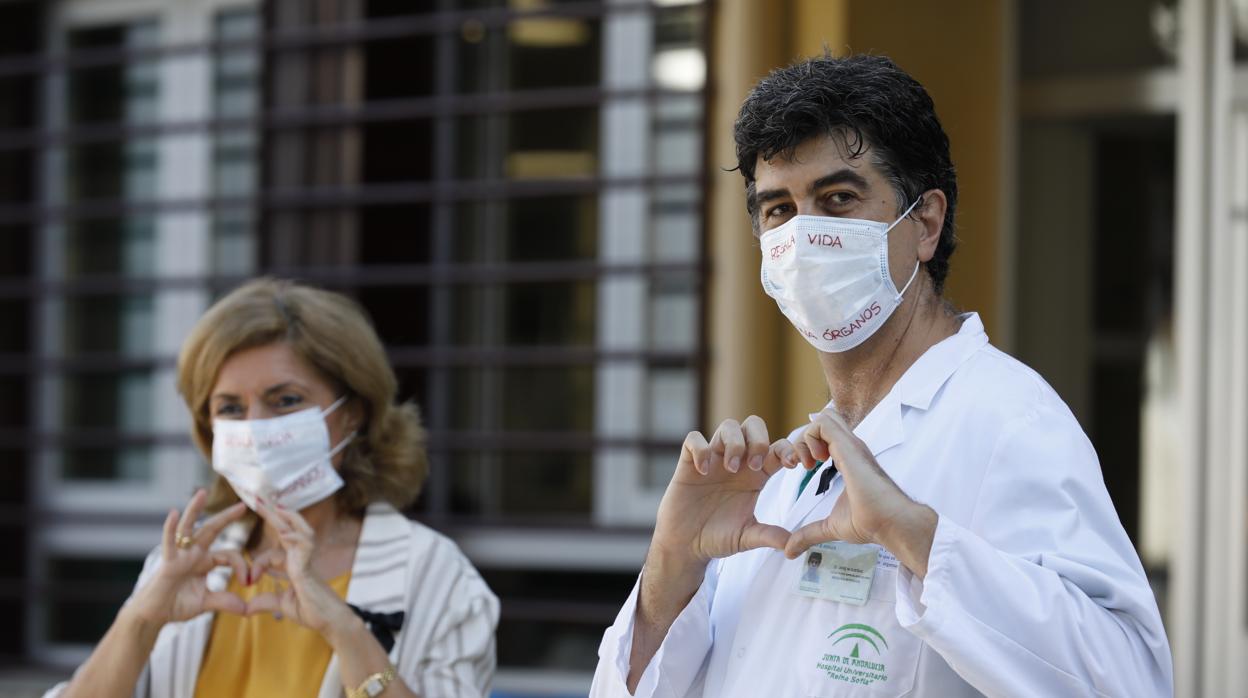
(706, 512)
(872, 509)
(708, 509)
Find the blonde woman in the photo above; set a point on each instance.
(305, 580)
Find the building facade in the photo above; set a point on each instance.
(530, 197)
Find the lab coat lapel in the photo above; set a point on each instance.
(379, 581)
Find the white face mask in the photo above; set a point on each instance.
(830, 277)
(285, 459)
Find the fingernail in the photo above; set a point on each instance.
(735, 464)
(756, 463)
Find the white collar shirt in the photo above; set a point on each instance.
(1033, 587)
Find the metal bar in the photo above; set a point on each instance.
(443, 440)
(336, 197)
(337, 115)
(443, 22)
(355, 277)
(555, 356)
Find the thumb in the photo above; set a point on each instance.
(263, 603)
(818, 532)
(761, 535)
(224, 601)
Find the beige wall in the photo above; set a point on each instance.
(758, 364)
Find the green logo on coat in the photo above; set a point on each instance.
(852, 668)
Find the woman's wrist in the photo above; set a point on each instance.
(344, 629)
(138, 626)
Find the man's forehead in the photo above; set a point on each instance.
(814, 158)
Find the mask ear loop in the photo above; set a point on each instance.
(349, 437)
(917, 263)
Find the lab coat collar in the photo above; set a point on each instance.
(883, 427)
(920, 383)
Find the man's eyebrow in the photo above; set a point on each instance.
(844, 175)
(841, 176)
(763, 197)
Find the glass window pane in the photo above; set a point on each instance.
(673, 402)
(538, 144)
(89, 593)
(530, 53)
(530, 485)
(523, 230)
(542, 628)
(538, 313)
(111, 246)
(109, 324)
(676, 224)
(119, 401)
(130, 464)
(674, 310)
(1109, 36)
(523, 399)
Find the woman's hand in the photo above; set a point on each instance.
(306, 599)
(179, 590)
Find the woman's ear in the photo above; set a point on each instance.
(353, 414)
(931, 216)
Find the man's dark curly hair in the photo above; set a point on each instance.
(870, 105)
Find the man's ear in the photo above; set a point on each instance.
(931, 215)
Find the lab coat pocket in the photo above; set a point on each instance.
(860, 650)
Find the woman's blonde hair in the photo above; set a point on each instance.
(386, 461)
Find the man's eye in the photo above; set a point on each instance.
(840, 198)
(778, 210)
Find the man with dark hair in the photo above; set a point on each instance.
(971, 545)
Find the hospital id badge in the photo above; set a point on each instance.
(838, 571)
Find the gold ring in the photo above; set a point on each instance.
(184, 542)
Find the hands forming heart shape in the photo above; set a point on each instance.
(708, 508)
(179, 590)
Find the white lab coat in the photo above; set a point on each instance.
(1033, 588)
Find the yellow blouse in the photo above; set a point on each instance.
(260, 657)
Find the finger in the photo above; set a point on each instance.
(271, 562)
(212, 528)
(290, 604)
(232, 559)
(760, 535)
(716, 451)
(804, 455)
(224, 601)
(830, 431)
(782, 454)
(264, 603)
(800, 540)
(270, 515)
(168, 535)
(295, 521)
(817, 438)
(756, 441)
(186, 525)
(696, 451)
(729, 434)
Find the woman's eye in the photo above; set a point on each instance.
(228, 410)
(286, 401)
